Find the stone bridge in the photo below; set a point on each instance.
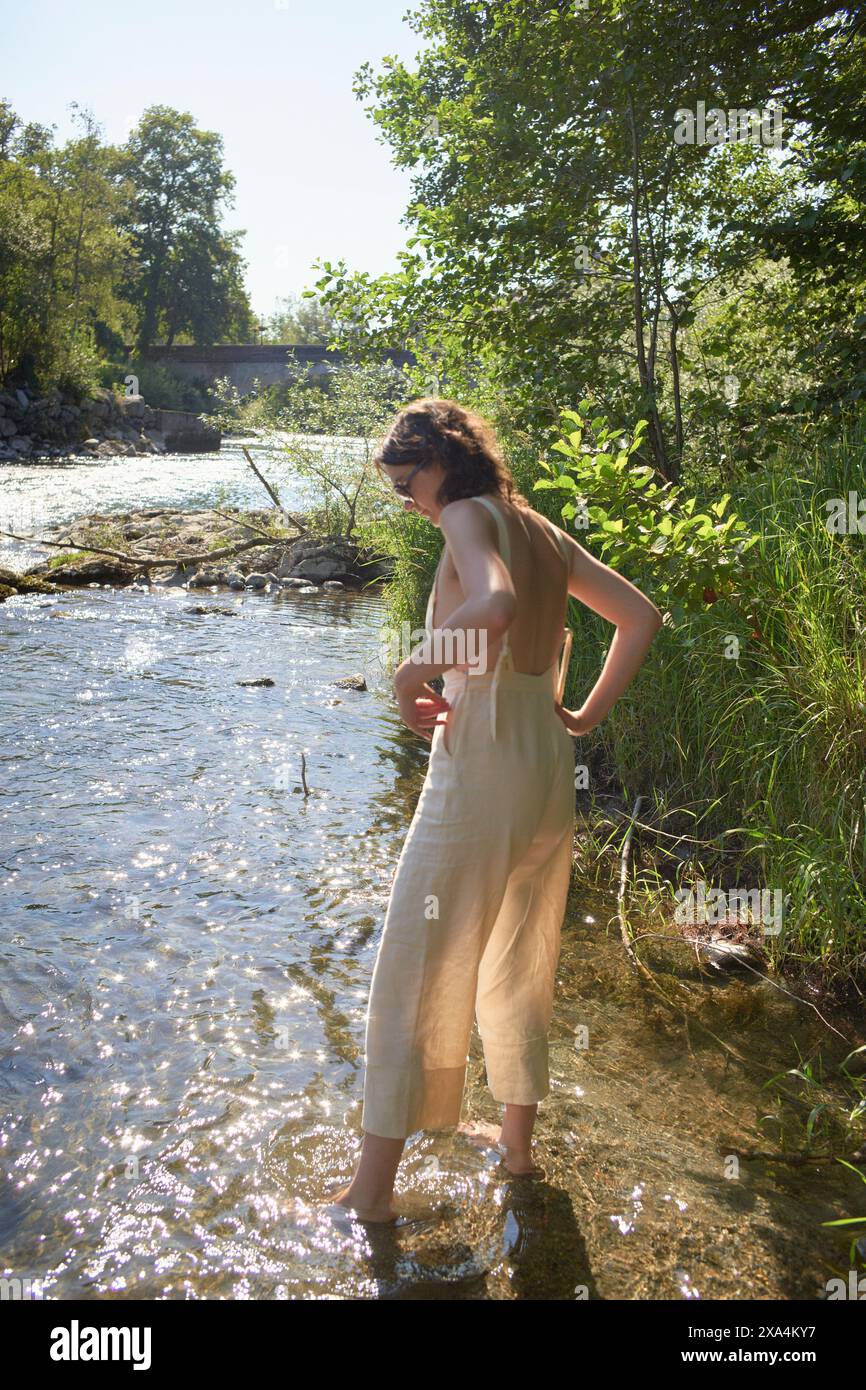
(243, 363)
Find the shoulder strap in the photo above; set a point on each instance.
(559, 537)
(504, 543)
(431, 598)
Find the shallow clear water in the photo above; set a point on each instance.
(36, 496)
(185, 953)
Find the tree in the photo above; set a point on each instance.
(298, 319)
(60, 254)
(349, 416)
(177, 191)
(205, 293)
(561, 230)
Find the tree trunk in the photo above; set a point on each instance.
(647, 380)
(678, 407)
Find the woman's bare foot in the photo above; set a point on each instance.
(521, 1164)
(484, 1135)
(383, 1212)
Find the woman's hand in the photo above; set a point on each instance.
(420, 708)
(574, 720)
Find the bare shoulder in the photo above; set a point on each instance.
(461, 519)
(569, 548)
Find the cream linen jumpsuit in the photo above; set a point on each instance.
(477, 901)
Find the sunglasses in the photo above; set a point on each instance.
(402, 488)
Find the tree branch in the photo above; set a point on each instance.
(144, 562)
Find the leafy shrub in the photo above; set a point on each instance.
(685, 557)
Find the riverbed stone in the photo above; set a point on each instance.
(13, 583)
(57, 420)
(204, 577)
(165, 533)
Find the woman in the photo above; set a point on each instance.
(479, 893)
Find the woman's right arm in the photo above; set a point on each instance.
(636, 619)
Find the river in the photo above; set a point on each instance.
(187, 942)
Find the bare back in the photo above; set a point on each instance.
(539, 573)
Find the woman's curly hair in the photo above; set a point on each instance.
(463, 442)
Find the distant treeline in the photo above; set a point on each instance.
(102, 245)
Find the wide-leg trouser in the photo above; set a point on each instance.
(475, 913)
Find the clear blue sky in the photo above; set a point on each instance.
(273, 77)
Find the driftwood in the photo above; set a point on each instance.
(148, 562)
(636, 964)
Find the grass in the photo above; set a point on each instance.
(746, 728)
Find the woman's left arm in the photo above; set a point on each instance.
(637, 620)
(486, 612)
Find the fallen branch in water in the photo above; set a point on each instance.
(636, 964)
(147, 562)
(766, 979)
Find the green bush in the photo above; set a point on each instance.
(686, 556)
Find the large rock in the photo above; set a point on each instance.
(100, 569)
(13, 583)
(54, 422)
(319, 560)
(131, 407)
(164, 532)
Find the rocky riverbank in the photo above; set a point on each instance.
(195, 543)
(58, 426)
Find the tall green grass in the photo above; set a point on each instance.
(763, 750)
(746, 727)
